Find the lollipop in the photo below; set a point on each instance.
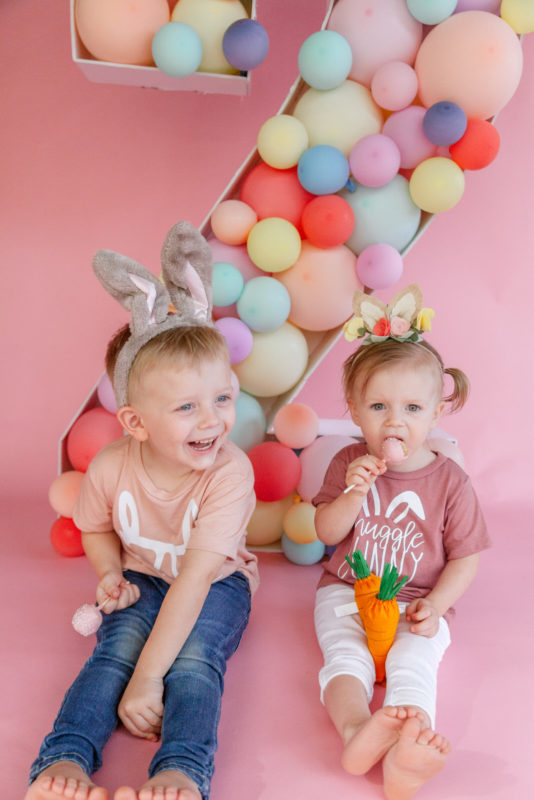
(87, 619)
(394, 450)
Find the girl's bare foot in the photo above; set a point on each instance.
(369, 742)
(413, 760)
(168, 785)
(64, 779)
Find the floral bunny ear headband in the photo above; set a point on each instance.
(402, 319)
(187, 270)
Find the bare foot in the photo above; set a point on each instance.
(168, 785)
(413, 760)
(64, 779)
(368, 743)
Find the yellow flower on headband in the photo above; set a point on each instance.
(354, 329)
(424, 319)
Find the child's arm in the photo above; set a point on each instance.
(424, 612)
(141, 706)
(334, 520)
(104, 553)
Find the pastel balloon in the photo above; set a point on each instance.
(315, 460)
(64, 491)
(236, 255)
(323, 169)
(282, 140)
(302, 554)
(385, 215)
(321, 286)
(431, 13)
(227, 283)
(264, 304)
(119, 31)
(277, 362)
(265, 525)
(89, 433)
(444, 123)
(245, 44)
(340, 116)
(211, 19)
(232, 220)
(327, 221)
(299, 523)
(238, 337)
(66, 538)
(277, 470)
(492, 6)
(106, 395)
(296, 425)
(406, 129)
(325, 59)
(437, 184)
(478, 146)
(377, 33)
(250, 423)
(274, 244)
(379, 266)
(177, 49)
(374, 160)
(519, 14)
(275, 193)
(473, 59)
(394, 85)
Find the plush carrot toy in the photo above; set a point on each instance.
(367, 584)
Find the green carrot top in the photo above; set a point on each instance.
(390, 584)
(359, 565)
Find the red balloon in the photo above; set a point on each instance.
(478, 146)
(328, 220)
(89, 433)
(66, 538)
(277, 470)
(275, 193)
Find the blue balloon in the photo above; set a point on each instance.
(228, 283)
(444, 123)
(264, 304)
(323, 169)
(250, 422)
(177, 49)
(303, 554)
(431, 13)
(245, 44)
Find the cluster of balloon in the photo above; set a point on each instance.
(196, 35)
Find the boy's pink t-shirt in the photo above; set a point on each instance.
(210, 511)
(417, 521)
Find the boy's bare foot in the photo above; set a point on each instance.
(64, 779)
(168, 785)
(413, 760)
(367, 744)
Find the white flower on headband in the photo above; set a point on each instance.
(402, 319)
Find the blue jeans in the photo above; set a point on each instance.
(193, 686)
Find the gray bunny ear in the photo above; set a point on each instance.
(137, 289)
(187, 266)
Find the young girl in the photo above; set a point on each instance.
(418, 513)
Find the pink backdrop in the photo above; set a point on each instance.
(86, 166)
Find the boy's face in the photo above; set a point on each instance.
(401, 402)
(186, 413)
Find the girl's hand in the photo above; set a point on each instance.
(116, 592)
(424, 617)
(141, 707)
(363, 472)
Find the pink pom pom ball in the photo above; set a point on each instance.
(87, 620)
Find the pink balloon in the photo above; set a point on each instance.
(493, 6)
(374, 160)
(406, 129)
(379, 266)
(106, 396)
(394, 85)
(236, 255)
(315, 460)
(238, 337)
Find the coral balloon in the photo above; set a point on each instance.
(325, 59)
(89, 433)
(296, 425)
(394, 85)
(211, 19)
(277, 362)
(277, 470)
(250, 422)
(437, 184)
(274, 244)
(265, 525)
(282, 140)
(379, 266)
(374, 160)
(315, 460)
(232, 221)
(302, 554)
(64, 491)
(66, 538)
(299, 523)
(327, 221)
(406, 129)
(275, 193)
(478, 146)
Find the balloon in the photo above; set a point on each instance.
(325, 59)
(478, 5)
(296, 425)
(340, 116)
(315, 460)
(236, 255)
(211, 19)
(106, 395)
(394, 85)
(444, 123)
(473, 59)
(265, 525)
(238, 337)
(519, 14)
(177, 49)
(377, 33)
(250, 424)
(437, 184)
(374, 160)
(66, 538)
(282, 140)
(245, 44)
(327, 220)
(227, 283)
(88, 434)
(232, 220)
(478, 146)
(406, 129)
(275, 193)
(321, 286)
(277, 362)
(277, 470)
(385, 215)
(443, 445)
(299, 523)
(323, 169)
(117, 31)
(264, 304)
(431, 13)
(303, 554)
(379, 266)
(64, 492)
(274, 244)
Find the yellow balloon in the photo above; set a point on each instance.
(282, 140)
(274, 244)
(265, 526)
(210, 19)
(437, 184)
(519, 14)
(299, 523)
(277, 362)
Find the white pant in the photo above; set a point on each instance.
(412, 662)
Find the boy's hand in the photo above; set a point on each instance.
(116, 592)
(424, 617)
(363, 472)
(141, 707)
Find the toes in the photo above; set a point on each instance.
(125, 793)
(411, 731)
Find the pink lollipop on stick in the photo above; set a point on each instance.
(88, 618)
(393, 452)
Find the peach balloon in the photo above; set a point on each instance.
(473, 59)
(321, 286)
(277, 362)
(265, 525)
(64, 491)
(296, 425)
(299, 523)
(232, 221)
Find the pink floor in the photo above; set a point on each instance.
(276, 741)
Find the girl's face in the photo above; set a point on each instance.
(402, 402)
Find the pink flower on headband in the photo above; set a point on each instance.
(399, 326)
(382, 327)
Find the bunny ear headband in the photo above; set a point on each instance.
(187, 270)
(402, 319)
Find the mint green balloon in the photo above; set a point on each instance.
(227, 284)
(264, 304)
(325, 60)
(250, 422)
